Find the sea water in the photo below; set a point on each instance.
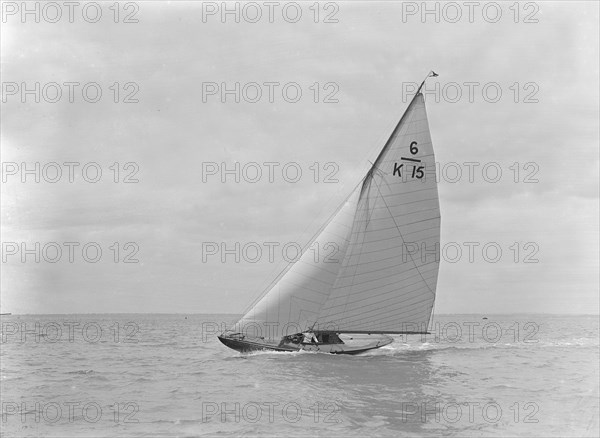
(134, 375)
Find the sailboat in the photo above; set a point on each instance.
(383, 279)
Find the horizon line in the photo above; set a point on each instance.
(237, 314)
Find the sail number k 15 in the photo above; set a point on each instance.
(417, 169)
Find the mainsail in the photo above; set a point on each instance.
(383, 276)
(388, 278)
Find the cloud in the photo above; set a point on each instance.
(369, 56)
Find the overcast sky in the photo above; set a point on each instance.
(549, 119)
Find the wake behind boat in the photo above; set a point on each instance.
(383, 277)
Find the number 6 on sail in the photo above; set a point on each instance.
(385, 277)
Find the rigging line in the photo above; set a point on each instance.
(348, 256)
(430, 322)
